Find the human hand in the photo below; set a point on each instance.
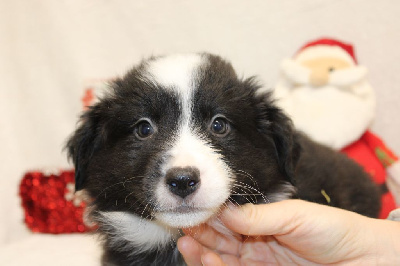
(293, 232)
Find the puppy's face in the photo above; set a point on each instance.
(177, 138)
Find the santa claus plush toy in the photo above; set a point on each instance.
(328, 97)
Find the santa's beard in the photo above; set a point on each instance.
(329, 115)
(296, 73)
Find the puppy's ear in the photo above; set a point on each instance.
(83, 143)
(275, 123)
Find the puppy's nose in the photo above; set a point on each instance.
(183, 181)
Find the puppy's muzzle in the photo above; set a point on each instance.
(183, 181)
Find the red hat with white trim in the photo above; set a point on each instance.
(326, 48)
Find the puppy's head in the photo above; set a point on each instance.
(178, 137)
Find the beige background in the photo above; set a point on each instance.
(50, 49)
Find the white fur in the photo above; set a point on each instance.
(182, 220)
(179, 73)
(285, 191)
(175, 72)
(190, 150)
(142, 234)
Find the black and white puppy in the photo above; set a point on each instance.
(180, 136)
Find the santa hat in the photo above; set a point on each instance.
(326, 48)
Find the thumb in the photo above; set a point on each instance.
(267, 219)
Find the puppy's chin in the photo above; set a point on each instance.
(182, 219)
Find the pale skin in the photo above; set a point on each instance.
(293, 232)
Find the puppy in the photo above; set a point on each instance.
(180, 136)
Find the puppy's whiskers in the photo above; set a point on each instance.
(245, 196)
(234, 202)
(248, 192)
(126, 198)
(244, 173)
(118, 183)
(256, 191)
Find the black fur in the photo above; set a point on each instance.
(262, 148)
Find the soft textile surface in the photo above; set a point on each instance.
(50, 50)
(47, 250)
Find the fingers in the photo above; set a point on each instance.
(195, 254)
(208, 237)
(191, 250)
(212, 259)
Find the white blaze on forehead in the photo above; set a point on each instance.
(176, 71)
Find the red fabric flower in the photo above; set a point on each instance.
(50, 204)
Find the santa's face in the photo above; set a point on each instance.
(328, 98)
(321, 69)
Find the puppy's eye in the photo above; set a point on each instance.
(220, 126)
(144, 130)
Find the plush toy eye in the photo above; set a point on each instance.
(331, 69)
(220, 126)
(144, 129)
